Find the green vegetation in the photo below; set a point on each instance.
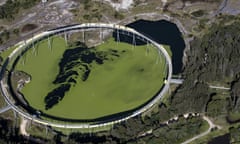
(141, 131)
(118, 15)
(39, 131)
(93, 11)
(6, 35)
(178, 132)
(213, 57)
(9, 133)
(12, 7)
(234, 134)
(234, 113)
(198, 13)
(6, 53)
(216, 106)
(126, 82)
(45, 63)
(168, 49)
(202, 0)
(84, 130)
(175, 132)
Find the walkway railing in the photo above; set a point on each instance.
(23, 45)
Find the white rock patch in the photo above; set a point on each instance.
(124, 4)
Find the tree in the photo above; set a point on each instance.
(16, 31)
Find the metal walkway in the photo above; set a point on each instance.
(6, 108)
(177, 81)
(46, 34)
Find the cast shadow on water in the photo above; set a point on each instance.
(163, 32)
(224, 139)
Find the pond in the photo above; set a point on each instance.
(167, 33)
(224, 139)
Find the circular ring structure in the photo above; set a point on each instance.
(22, 46)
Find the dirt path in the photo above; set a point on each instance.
(211, 125)
(23, 127)
(219, 87)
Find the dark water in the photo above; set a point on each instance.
(224, 139)
(164, 32)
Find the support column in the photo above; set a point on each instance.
(165, 65)
(32, 43)
(83, 35)
(31, 122)
(101, 35)
(28, 125)
(46, 130)
(23, 58)
(133, 41)
(65, 38)
(33, 47)
(128, 33)
(158, 57)
(49, 44)
(118, 37)
(148, 49)
(16, 119)
(34, 51)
